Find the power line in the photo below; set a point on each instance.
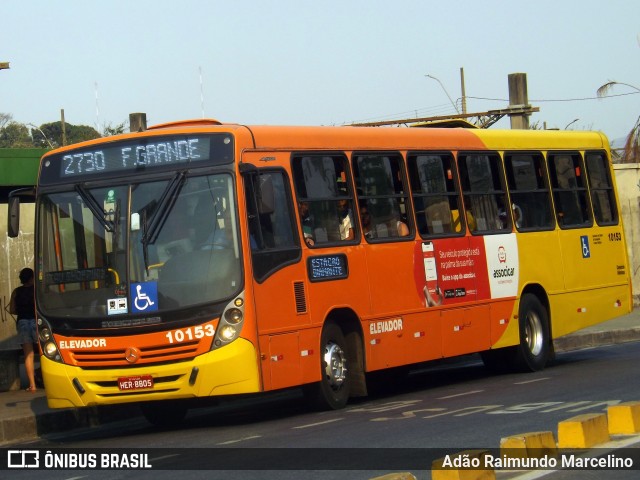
(557, 99)
(416, 112)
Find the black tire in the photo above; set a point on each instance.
(535, 348)
(332, 392)
(164, 413)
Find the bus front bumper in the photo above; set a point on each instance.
(225, 371)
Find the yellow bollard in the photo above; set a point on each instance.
(583, 431)
(529, 445)
(624, 419)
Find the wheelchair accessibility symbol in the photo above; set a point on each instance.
(586, 251)
(144, 297)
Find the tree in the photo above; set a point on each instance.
(632, 144)
(15, 135)
(48, 135)
(109, 130)
(4, 119)
(53, 133)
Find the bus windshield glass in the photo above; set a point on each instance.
(138, 248)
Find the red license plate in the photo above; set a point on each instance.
(141, 382)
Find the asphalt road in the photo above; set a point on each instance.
(443, 409)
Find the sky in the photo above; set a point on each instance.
(302, 62)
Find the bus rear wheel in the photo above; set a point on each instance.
(535, 349)
(332, 392)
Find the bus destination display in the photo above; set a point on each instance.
(327, 267)
(143, 154)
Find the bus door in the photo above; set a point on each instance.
(278, 283)
(593, 258)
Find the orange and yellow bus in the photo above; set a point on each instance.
(202, 259)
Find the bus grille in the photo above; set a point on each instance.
(148, 355)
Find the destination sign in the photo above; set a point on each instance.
(140, 155)
(327, 267)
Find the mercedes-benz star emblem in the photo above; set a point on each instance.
(132, 354)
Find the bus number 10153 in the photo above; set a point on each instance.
(188, 334)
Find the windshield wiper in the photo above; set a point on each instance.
(168, 199)
(153, 227)
(95, 208)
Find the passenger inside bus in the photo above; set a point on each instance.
(517, 216)
(365, 218)
(402, 228)
(471, 221)
(345, 218)
(306, 221)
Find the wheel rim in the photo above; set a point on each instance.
(335, 365)
(534, 333)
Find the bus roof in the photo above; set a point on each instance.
(375, 138)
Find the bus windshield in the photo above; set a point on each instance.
(137, 248)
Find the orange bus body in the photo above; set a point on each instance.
(386, 303)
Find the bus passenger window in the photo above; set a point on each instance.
(528, 187)
(483, 189)
(382, 193)
(602, 194)
(435, 193)
(325, 196)
(569, 190)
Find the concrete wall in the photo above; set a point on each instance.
(17, 253)
(628, 180)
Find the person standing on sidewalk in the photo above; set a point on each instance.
(22, 305)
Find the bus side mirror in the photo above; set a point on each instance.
(13, 223)
(13, 219)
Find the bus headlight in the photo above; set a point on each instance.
(231, 322)
(50, 349)
(233, 316)
(228, 333)
(44, 334)
(47, 344)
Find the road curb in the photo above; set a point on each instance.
(577, 341)
(29, 427)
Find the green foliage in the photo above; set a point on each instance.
(49, 135)
(15, 135)
(110, 130)
(53, 133)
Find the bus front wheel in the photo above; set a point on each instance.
(332, 392)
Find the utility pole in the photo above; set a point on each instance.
(137, 122)
(463, 91)
(64, 128)
(518, 110)
(518, 98)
